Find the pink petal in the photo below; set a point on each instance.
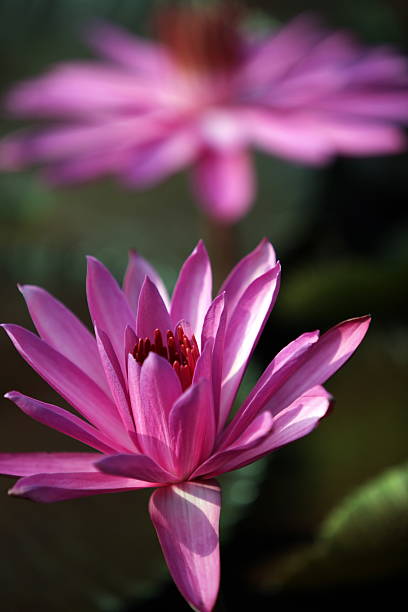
(153, 161)
(159, 390)
(243, 331)
(296, 136)
(186, 518)
(134, 371)
(305, 371)
(203, 368)
(108, 306)
(214, 329)
(130, 51)
(82, 166)
(65, 422)
(152, 312)
(290, 44)
(115, 379)
(255, 264)
(377, 105)
(212, 319)
(80, 139)
(27, 464)
(62, 330)
(129, 342)
(288, 355)
(255, 433)
(361, 138)
(59, 487)
(134, 466)
(380, 64)
(81, 89)
(70, 382)
(192, 428)
(296, 421)
(192, 293)
(138, 268)
(225, 184)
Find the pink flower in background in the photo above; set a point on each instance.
(202, 96)
(154, 389)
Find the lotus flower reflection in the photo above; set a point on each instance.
(202, 97)
(154, 390)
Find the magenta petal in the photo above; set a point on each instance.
(361, 138)
(212, 319)
(159, 390)
(214, 330)
(204, 365)
(87, 90)
(137, 270)
(297, 136)
(108, 306)
(308, 369)
(27, 464)
(82, 166)
(115, 379)
(130, 340)
(134, 370)
(152, 312)
(62, 330)
(154, 161)
(219, 462)
(225, 184)
(192, 293)
(186, 518)
(255, 264)
(324, 358)
(70, 382)
(134, 466)
(192, 428)
(290, 354)
(59, 487)
(65, 422)
(243, 331)
(131, 52)
(296, 421)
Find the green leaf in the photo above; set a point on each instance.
(364, 538)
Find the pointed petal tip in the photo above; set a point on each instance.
(10, 395)
(16, 491)
(9, 327)
(362, 322)
(200, 248)
(92, 260)
(265, 243)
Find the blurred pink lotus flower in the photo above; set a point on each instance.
(205, 94)
(154, 390)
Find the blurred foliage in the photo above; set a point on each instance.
(364, 539)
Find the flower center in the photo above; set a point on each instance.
(203, 39)
(180, 351)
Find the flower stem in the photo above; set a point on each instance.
(222, 241)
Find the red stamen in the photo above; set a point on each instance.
(190, 360)
(185, 377)
(204, 39)
(181, 352)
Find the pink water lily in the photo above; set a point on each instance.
(154, 389)
(203, 96)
